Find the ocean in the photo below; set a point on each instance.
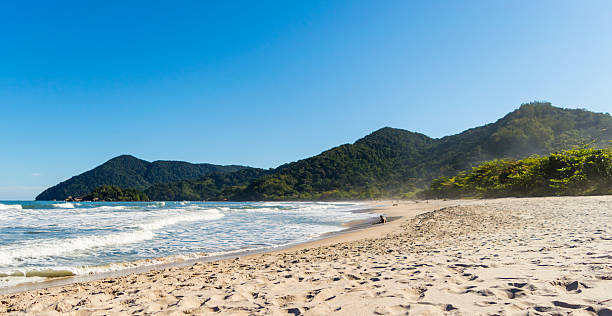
(41, 240)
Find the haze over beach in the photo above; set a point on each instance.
(306, 158)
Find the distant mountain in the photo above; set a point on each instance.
(129, 172)
(391, 162)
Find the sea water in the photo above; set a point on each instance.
(41, 240)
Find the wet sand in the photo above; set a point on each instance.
(504, 256)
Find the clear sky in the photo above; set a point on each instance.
(262, 83)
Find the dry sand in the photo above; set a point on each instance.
(509, 256)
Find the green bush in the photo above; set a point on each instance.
(582, 171)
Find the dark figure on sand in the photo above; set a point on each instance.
(382, 220)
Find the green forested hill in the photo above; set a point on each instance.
(534, 128)
(390, 162)
(217, 186)
(372, 165)
(387, 163)
(129, 172)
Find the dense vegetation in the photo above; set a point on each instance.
(374, 166)
(387, 163)
(583, 171)
(217, 186)
(113, 193)
(130, 172)
(393, 162)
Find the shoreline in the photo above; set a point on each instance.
(176, 261)
(460, 257)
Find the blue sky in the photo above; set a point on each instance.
(262, 83)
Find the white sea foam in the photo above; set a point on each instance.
(13, 281)
(143, 231)
(115, 266)
(10, 207)
(338, 211)
(10, 277)
(53, 247)
(111, 208)
(203, 215)
(8, 211)
(63, 205)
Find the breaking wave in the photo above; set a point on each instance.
(62, 239)
(10, 207)
(63, 205)
(142, 232)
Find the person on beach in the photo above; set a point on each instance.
(382, 220)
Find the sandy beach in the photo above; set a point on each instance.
(535, 256)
